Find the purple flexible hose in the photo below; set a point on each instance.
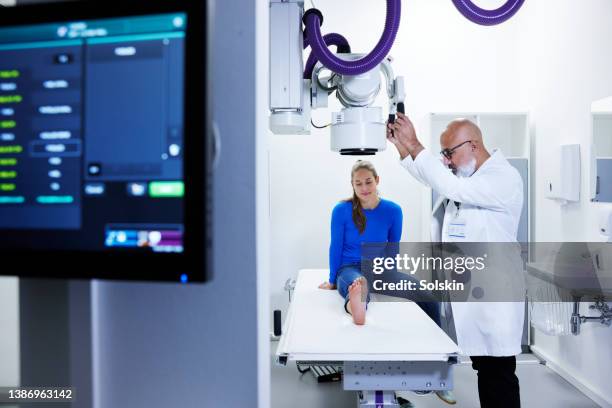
(488, 17)
(330, 39)
(365, 64)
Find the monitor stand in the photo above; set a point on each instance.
(55, 337)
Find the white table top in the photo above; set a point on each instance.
(318, 329)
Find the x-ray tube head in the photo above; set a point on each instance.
(358, 131)
(359, 128)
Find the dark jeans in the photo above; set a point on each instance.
(348, 273)
(498, 386)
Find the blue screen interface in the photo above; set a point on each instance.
(91, 134)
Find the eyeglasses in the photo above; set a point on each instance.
(448, 153)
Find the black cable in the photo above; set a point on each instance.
(319, 127)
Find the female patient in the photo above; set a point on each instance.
(363, 218)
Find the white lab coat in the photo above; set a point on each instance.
(491, 203)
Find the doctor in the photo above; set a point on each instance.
(486, 192)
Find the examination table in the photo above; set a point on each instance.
(398, 348)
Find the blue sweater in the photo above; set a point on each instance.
(383, 224)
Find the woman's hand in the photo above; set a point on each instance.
(327, 285)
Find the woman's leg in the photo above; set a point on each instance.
(353, 288)
(425, 300)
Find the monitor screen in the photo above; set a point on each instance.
(101, 164)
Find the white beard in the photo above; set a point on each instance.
(467, 170)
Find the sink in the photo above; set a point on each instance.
(578, 269)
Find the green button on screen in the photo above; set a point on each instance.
(166, 189)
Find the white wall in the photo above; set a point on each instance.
(565, 66)
(9, 332)
(449, 65)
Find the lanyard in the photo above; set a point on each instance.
(458, 205)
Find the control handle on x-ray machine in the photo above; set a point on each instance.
(400, 108)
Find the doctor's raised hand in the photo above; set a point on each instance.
(402, 134)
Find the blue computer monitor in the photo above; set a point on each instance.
(103, 153)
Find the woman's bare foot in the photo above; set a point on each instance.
(357, 304)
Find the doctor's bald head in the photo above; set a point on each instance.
(463, 150)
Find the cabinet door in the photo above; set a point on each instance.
(603, 192)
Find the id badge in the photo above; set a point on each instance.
(456, 228)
